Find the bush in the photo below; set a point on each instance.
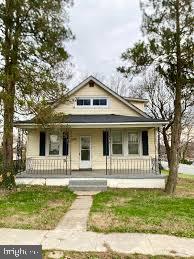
(186, 162)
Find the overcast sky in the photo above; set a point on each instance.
(103, 30)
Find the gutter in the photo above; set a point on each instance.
(95, 125)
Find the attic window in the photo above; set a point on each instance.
(92, 102)
(83, 102)
(100, 102)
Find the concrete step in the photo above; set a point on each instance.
(88, 182)
(88, 185)
(87, 188)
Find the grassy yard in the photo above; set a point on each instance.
(34, 207)
(147, 211)
(105, 255)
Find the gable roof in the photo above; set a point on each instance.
(103, 86)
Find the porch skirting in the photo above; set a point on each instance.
(156, 181)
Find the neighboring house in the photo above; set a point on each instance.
(101, 135)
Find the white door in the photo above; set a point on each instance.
(85, 152)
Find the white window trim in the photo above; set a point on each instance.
(91, 102)
(123, 143)
(125, 153)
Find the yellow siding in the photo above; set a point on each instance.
(115, 105)
(139, 105)
(152, 142)
(97, 158)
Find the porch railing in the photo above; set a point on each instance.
(113, 166)
(132, 166)
(48, 166)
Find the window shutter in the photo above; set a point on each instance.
(105, 143)
(65, 145)
(42, 143)
(145, 143)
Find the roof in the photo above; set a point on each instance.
(96, 119)
(116, 95)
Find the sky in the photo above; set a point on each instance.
(103, 30)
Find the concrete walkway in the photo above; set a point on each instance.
(71, 235)
(77, 216)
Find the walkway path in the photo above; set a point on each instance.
(71, 234)
(77, 216)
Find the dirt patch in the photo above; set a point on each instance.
(185, 188)
(13, 220)
(54, 204)
(122, 201)
(104, 255)
(104, 221)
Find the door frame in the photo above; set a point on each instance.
(80, 160)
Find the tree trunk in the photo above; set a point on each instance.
(166, 143)
(185, 150)
(176, 127)
(10, 50)
(8, 179)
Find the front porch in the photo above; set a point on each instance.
(121, 156)
(93, 180)
(114, 168)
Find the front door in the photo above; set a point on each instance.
(85, 152)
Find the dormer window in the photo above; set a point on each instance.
(100, 102)
(92, 102)
(83, 102)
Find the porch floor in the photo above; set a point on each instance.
(140, 174)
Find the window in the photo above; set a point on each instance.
(117, 145)
(100, 102)
(83, 102)
(133, 143)
(93, 102)
(54, 144)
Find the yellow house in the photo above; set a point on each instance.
(102, 135)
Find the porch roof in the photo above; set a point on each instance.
(96, 119)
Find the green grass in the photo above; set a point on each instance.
(166, 172)
(147, 211)
(106, 255)
(34, 207)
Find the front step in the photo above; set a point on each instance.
(88, 185)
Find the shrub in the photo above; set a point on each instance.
(186, 162)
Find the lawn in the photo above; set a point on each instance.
(105, 255)
(34, 207)
(146, 211)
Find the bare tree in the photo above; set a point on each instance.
(161, 106)
(187, 137)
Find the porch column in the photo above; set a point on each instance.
(110, 151)
(159, 152)
(67, 149)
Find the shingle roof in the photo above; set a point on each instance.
(104, 118)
